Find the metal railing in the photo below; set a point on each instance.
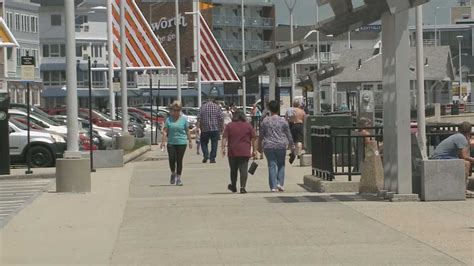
(341, 150)
(165, 80)
(250, 45)
(236, 21)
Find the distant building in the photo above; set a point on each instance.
(439, 75)
(21, 17)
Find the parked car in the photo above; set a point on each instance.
(42, 121)
(98, 118)
(44, 147)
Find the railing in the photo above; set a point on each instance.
(340, 150)
(165, 80)
(250, 45)
(236, 21)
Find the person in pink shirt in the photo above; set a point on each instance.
(239, 137)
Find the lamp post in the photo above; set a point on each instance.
(460, 37)
(178, 51)
(244, 79)
(436, 26)
(291, 8)
(91, 141)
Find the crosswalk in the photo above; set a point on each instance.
(18, 193)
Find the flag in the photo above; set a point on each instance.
(215, 66)
(143, 49)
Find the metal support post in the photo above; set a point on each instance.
(420, 76)
(151, 107)
(123, 70)
(28, 128)
(244, 79)
(396, 112)
(91, 137)
(178, 51)
(110, 56)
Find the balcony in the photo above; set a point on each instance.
(236, 21)
(165, 80)
(250, 45)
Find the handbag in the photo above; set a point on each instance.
(253, 167)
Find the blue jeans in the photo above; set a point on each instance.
(214, 137)
(276, 166)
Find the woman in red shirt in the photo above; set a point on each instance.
(238, 137)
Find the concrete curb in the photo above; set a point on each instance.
(30, 176)
(126, 159)
(315, 184)
(135, 154)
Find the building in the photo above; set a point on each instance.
(224, 19)
(363, 72)
(21, 16)
(330, 47)
(462, 13)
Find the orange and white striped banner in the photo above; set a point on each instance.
(144, 51)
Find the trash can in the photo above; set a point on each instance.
(455, 108)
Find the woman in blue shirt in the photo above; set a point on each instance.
(176, 133)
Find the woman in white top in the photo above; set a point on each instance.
(227, 116)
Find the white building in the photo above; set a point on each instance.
(21, 17)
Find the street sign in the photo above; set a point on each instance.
(116, 84)
(28, 68)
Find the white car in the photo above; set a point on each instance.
(44, 122)
(44, 147)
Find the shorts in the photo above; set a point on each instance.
(297, 132)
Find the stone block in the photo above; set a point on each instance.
(317, 184)
(73, 175)
(108, 158)
(443, 180)
(125, 142)
(305, 160)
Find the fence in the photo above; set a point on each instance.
(340, 150)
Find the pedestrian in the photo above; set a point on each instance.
(296, 123)
(274, 139)
(227, 116)
(197, 136)
(177, 135)
(210, 122)
(457, 146)
(238, 137)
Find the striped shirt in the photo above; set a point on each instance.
(275, 133)
(210, 117)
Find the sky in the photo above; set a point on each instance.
(305, 11)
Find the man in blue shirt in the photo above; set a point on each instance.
(457, 147)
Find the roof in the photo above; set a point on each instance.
(439, 65)
(282, 34)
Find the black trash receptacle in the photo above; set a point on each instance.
(455, 108)
(4, 135)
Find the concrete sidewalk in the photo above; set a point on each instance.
(134, 216)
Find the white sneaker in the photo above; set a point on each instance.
(280, 188)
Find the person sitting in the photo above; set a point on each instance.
(457, 146)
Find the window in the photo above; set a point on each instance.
(45, 50)
(367, 87)
(18, 56)
(78, 50)
(35, 54)
(9, 20)
(54, 50)
(54, 78)
(17, 21)
(379, 87)
(96, 50)
(63, 50)
(34, 24)
(81, 19)
(323, 95)
(55, 20)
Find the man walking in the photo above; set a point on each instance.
(210, 121)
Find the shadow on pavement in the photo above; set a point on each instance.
(323, 198)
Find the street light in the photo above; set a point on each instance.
(460, 37)
(291, 8)
(91, 150)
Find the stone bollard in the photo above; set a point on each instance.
(371, 180)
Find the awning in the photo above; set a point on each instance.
(6, 37)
